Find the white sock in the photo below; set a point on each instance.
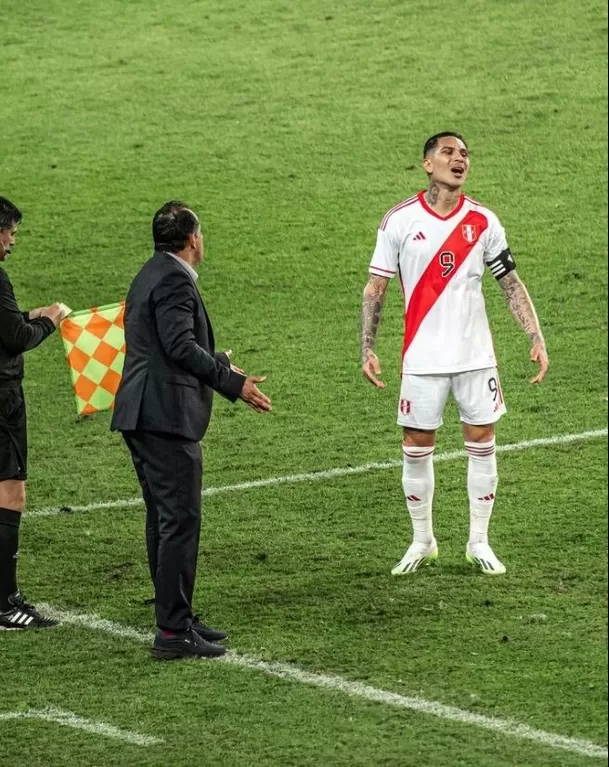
(482, 483)
(418, 482)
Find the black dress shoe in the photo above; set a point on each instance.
(211, 635)
(168, 646)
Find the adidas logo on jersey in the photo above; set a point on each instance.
(419, 236)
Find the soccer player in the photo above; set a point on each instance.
(19, 332)
(439, 242)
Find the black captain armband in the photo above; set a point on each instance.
(502, 265)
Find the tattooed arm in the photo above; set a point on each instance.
(372, 307)
(522, 308)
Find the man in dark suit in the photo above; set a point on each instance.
(163, 408)
(19, 332)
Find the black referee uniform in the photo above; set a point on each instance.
(18, 334)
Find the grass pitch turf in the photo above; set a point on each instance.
(292, 128)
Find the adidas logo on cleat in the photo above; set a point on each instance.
(23, 616)
(19, 619)
(417, 555)
(485, 559)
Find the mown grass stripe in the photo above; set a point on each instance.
(68, 719)
(317, 476)
(506, 727)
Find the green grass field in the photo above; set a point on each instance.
(292, 128)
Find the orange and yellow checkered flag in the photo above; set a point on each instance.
(94, 341)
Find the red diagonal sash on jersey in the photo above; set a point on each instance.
(438, 274)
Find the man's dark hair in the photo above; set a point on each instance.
(432, 141)
(171, 226)
(10, 215)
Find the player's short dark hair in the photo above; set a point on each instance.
(171, 226)
(10, 215)
(432, 141)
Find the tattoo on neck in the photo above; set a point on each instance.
(432, 194)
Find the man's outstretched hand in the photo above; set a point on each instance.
(252, 395)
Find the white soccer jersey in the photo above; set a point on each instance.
(441, 262)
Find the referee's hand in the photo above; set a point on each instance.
(55, 312)
(252, 395)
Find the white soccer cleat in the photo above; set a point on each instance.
(417, 555)
(481, 555)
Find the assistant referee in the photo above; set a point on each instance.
(19, 332)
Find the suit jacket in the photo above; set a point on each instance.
(171, 368)
(18, 334)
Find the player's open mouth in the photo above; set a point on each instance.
(458, 171)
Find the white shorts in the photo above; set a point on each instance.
(477, 393)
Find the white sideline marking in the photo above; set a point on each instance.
(67, 719)
(507, 727)
(316, 476)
